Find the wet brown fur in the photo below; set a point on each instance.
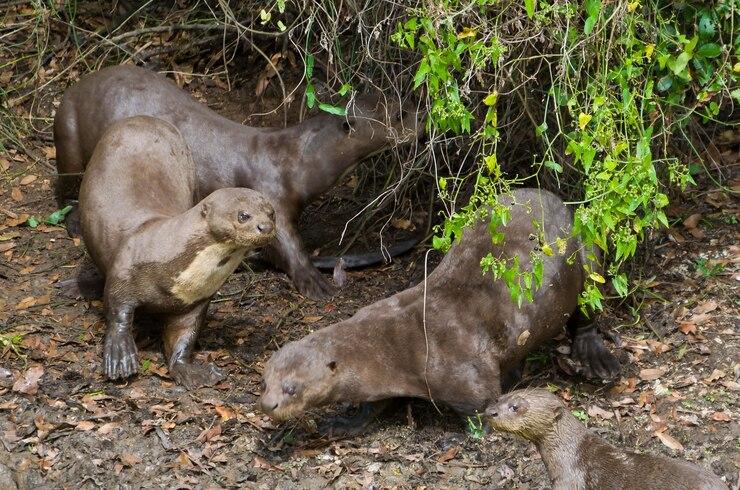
(578, 459)
(470, 333)
(157, 246)
(290, 166)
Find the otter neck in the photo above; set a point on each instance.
(559, 447)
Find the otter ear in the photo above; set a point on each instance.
(205, 208)
(332, 365)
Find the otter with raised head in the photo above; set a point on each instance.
(160, 250)
(291, 166)
(578, 459)
(449, 339)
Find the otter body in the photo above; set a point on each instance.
(448, 339)
(159, 249)
(290, 166)
(577, 459)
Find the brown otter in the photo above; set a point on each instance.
(579, 459)
(160, 251)
(448, 339)
(291, 166)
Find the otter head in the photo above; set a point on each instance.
(239, 216)
(530, 413)
(299, 376)
(373, 123)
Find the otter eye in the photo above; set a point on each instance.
(243, 217)
(289, 389)
(347, 126)
(514, 408)
(332, 365)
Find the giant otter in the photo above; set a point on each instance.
(577, 459)
(160, 249)
(451, 338)
(291, 166)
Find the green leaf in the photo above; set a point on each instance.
(309, 66)
(310, 96)
(620, 284)
(678, 64)
(664, 83)
(553, 166)
(281, 26)
(32, 222)
(421, 73)
(332, 109)
(442, 183)
(57, 216)
(593, 7)
(589, 25)
(736, 94)
(709, 50)
(529, 6)
(344, 89)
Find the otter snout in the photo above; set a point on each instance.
(268, 404)
(265, 227)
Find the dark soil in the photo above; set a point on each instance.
(677, 339)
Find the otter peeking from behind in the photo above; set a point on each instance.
(291, 166)
(159, 249)
(454, 337)
(578, 459)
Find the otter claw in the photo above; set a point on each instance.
(595, 359)
(120, 356)
(311, 283)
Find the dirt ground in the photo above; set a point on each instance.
(62, 425)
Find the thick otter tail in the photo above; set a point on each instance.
(368, 259)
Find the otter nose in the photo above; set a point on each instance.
(268, 406)
(265, 227)
(492, 412)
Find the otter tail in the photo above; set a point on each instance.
(368, 259)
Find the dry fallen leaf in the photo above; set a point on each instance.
(311, 319)
(705, 307)
(28, 179)
(108, 428)
(716, 375)
(209, 434)
(594, 411)
(721, 417)
(651, 374)
(687, 328)
(25, 303)
(669, 441)
(448, 455)
(129, 459)
(225, 412)
(16, 194)
(29, 382)
(49, 152)
(401, 224)
(692, 221)
(522, 339)
(85, 425)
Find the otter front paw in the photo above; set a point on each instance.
(193, 376)
(595, 359)
(120, 355)
(310, 282)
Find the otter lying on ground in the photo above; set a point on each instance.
(159, 250)
(291, 166)
(579, 459)
(449, 339)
